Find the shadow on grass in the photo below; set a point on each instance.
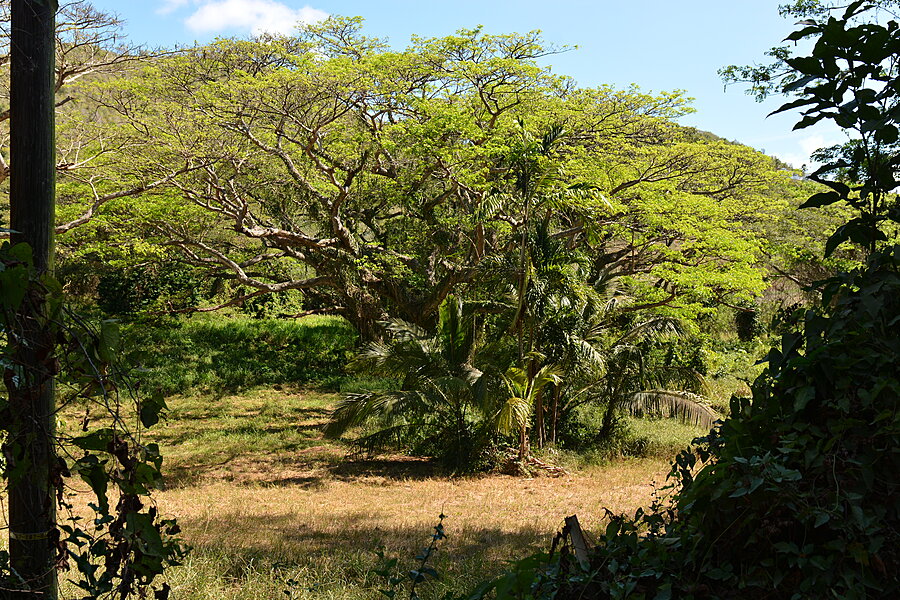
(308, 465)
(278, 426)
(350, 471)
(398, 468)
(319, 415)
(293, 541)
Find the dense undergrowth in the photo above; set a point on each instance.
(797, 492)
(212, 356)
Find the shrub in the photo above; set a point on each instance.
(163, 286)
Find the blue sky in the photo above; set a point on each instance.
(655, 44)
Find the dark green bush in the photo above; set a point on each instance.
(747, 324)
(159, 286)
(799, 492)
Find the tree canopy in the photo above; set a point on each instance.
(379, 181)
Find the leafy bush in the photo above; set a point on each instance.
(747, 324)
(441, 407)
(272, 306)
(163, 286)
(125, 544)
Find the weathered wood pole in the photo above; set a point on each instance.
(32, 513)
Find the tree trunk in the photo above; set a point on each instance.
(523, 443)
(557, 390)
(32, 515)
(606, 428)
(539, 417)
(365, 313)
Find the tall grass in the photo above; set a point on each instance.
(215, 354)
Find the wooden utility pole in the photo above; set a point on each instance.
(31, 455)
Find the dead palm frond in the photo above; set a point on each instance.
(684, 406)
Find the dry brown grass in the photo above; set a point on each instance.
(272, 509)
(325, 535)
(483, 512)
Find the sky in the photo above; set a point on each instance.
(658, 45)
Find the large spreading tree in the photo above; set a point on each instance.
(379, 181)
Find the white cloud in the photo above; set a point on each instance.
(170, 6)
(813, 142)
(800, 151)
(255, 16)
(795, 160)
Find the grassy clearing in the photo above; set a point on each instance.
(661, 438)
(325, 536)
(274, 511)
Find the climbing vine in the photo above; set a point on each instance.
(119, 543)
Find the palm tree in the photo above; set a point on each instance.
(523, 390)
(542, 293)
(440, 402)
(624, 381)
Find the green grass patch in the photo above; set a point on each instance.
(660, 438)
(216, 354)
(634, 438)
(252, 436)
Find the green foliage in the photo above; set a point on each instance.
(795, 494)
(226, 355)
(121, 550)
(747, 324)
(163, 287)
(851, 79)
(274, 306)
(632, 437)
(378, 181)
(802, 479)
(442, 407)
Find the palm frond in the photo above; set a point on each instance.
(355, 409)
(678, 377)
(653, 328)
(684, 406)
(410, 353)
(586, 355)
(456, 331)
(516, 380)
(491, 204)
(478, 307)
(404, 330)
(513, 415)
(393, 438)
